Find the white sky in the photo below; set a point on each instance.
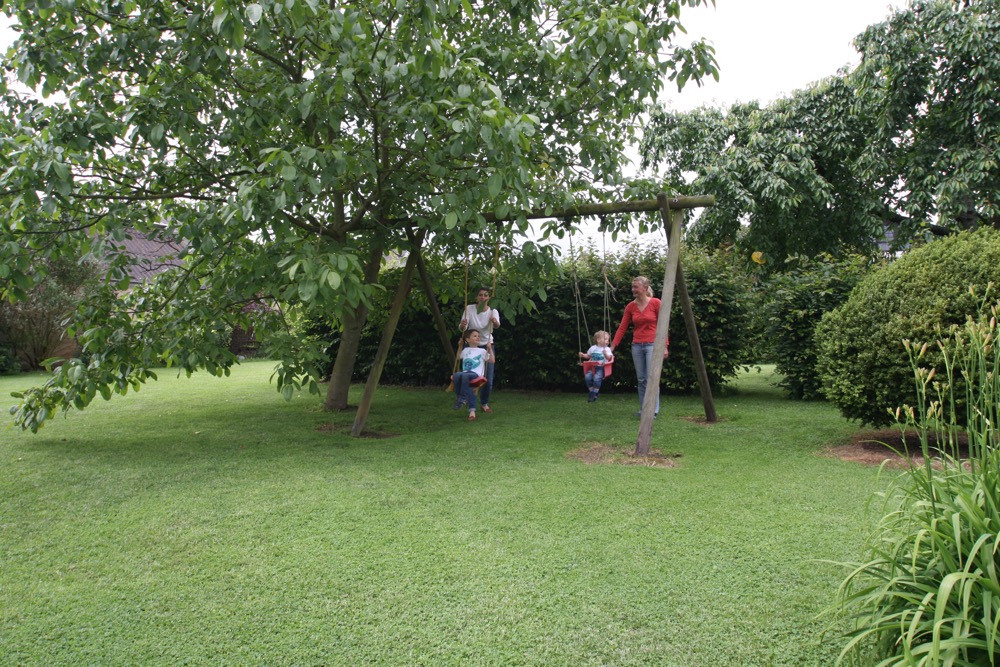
(765, 48)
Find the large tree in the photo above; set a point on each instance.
(908, 141)
(929, 77)
(290, 146)
(782, 174)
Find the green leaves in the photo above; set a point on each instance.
(927, 594)
(788, 170)
(277, 142)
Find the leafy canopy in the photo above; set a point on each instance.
(908, 141)
(282, 144)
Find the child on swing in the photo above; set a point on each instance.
(600, 354)
(473, 359)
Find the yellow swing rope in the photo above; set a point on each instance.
(579, 299)
(461, 340)
(580, 308)
(604, 274)
(493, 292)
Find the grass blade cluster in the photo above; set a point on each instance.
(930, 592)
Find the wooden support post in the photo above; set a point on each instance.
(699, 360)
(672, 221)
(390, 328)
(442, 328)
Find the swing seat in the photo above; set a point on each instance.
(591, 365)
(478, 382)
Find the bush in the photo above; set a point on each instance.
(9, 365)
(720, 299)
(927, 595)
(33, 327)
(536, 348)
(862, 362)
(795, 300)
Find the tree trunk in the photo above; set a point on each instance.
(350, 340)
(442, 328)
(395, 310)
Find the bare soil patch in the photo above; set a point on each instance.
(328, 427)
(701, 419)
(875, 447)
(597, 453)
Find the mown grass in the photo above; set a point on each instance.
(206, 521)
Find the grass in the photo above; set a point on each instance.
(206, 521)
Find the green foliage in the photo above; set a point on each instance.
(926, 79)
(928, 593)
(282, 141)
(536, 349)
(720, 297)
(908, 137)
(33, 328)
(862, 362)
(9, 364)
(796, 299)
(782, 174)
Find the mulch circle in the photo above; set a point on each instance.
(891, 445)
(701, 420)
(327, 427)
(597, 453)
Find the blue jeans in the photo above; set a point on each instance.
(463, 390)
(487, 389)
(642, 357)
(594, 378)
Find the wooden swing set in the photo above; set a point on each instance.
(672, 213)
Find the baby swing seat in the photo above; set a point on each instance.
(591, 365)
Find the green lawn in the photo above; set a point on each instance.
(206, 521)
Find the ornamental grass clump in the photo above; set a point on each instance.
(930, 593)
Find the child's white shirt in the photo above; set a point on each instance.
(474, 359)
(600, 353)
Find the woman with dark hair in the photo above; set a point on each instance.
(642, 313)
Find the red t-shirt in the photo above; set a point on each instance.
(644, 321)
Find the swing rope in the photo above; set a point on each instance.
(581, 310)
(576, 293)
(465, 307)
(461, 341)
(604, 274)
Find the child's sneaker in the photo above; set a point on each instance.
(458, 404)
(592, 396)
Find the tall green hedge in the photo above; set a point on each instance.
(795, 300)
(538, 349)
(863, 365)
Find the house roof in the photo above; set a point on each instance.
(150, 256)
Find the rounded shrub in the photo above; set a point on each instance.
(863, 365)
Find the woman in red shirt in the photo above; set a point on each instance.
(642, 313)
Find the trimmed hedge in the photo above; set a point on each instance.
(537, 349)
(796, 300)
(863, 365)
